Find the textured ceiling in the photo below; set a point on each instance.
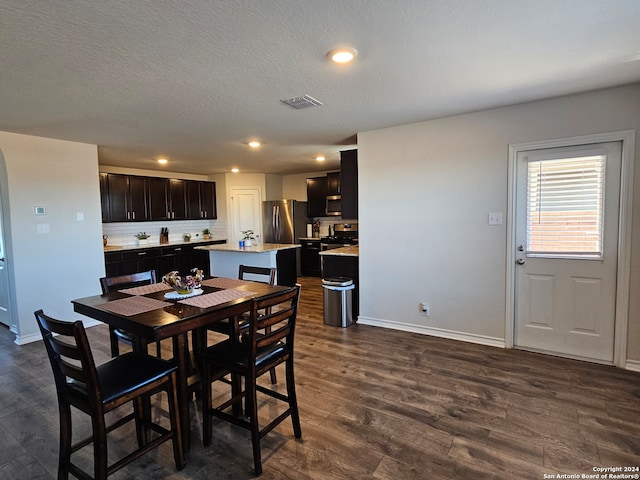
(194, 80)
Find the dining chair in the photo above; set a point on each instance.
(249, 357)
(260, 274)
(119, 282)
(98, 390)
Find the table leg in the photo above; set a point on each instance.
(180, 356)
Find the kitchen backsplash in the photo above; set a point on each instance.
(124, 233)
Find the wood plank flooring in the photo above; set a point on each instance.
(375, 404)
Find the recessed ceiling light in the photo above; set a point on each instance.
(343, 55)
(254, 144)
(320, 158)
(162, 161)
(235, 170)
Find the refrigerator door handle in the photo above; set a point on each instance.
(277, 224)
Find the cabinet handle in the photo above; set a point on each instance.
(133, 214)
(142, 253)
(128, 215)
(177, 249)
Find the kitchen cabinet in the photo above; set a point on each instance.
(167, 199)
(349, 183)
(310, 258)
(344, 266)
(128, 198)
(316, 196)
(104, 196)
(333, 183)
(162, 259)
(201, 200)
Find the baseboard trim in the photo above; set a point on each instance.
(34, 337)
(633, 365)
(435, 332)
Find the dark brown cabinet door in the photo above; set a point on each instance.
(104, 197)
(194, 210)
(349, 183)
(127, 200)
(208, 200)
(159, 198)
(138, 194)
(178, 198)
(316, 196)
(333, 183)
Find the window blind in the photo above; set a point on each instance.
(565, 200)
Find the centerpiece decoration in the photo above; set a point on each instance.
(183, 287)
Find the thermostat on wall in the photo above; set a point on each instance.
(39, 211)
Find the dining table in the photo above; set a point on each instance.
(157, 312)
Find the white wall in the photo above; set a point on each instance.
(50, 270)
(425, 190)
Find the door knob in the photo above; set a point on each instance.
(520, 261)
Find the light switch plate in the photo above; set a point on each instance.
(495, 218)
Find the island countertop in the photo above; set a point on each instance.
(260, 248)
(350, 251)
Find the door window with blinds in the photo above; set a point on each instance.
(565, 205)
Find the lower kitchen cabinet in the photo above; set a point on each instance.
(344, 266)
(310, 258)
(163, 259)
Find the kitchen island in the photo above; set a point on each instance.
(225, 260)
(343, 262)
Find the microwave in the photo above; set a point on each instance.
(334, 205)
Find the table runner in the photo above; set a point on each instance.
(146, 289)
(215, 298)
(133, 305)
(225, 283)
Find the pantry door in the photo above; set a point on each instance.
(246, 207)
(566, 252)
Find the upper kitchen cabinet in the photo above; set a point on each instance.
(333, 183)
(201, 200)
(127, 198)
(349, 183)
(168, 199)
(104, 196)
(316, 196)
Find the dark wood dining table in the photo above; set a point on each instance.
(150, 316)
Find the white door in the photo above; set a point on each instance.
(246, 206)
(567, 202)
(4, 279)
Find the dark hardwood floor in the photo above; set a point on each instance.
(375, 404)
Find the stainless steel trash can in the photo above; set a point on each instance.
(337, 301)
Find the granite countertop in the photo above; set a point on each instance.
(350, 251)
(260, 248)
(175, 243)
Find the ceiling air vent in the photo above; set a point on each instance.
(302, 102)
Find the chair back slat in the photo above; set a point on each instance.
(267, 275)
(119, 282)
(281, 310)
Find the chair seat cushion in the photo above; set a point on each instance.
(234, 356)
(122, 375)
(124, 336)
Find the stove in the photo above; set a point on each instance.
(344, 234)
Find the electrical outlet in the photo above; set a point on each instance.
(424, 308)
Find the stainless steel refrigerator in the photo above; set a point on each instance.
(284, 221)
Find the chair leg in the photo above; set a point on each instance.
(113, 340)
(252, 413)
(64, 458)
(272, 374)
(100, 459)
(142, 410)
(293, 400)
(206, 404)
(174, 415)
